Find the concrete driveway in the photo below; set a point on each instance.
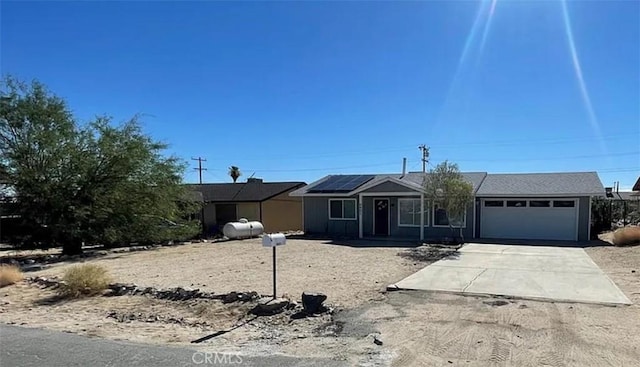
(528, 272)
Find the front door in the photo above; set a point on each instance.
(381, 217)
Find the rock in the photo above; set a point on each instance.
(239, 297)
(312, 302)
(269, 306)
(633, 271)
(377, 341)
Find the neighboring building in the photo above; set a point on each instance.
(626, 195)
(553, 206)
(267, 202)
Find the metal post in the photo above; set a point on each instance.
(274, 272)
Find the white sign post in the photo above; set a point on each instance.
(273, 241)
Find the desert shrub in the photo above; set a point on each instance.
(9, 274)
(627, 236)
(84, 280)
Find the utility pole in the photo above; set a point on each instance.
(200, 169)
(202, 219)
(425, 156)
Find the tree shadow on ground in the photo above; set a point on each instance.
(382, 242)
(430, 253)
(54, 299)
(35, 262)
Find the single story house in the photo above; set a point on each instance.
(549, 206)
(255, 200)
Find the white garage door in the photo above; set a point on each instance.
(544, 219)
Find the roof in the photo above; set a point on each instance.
(626, 195)
(540, 184)
(488, 184)
(636, 187)
(244, 192)
(412, 179)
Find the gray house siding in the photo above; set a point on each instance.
(437, 233)
(316, 219)
(584, 210)
(367, 216)
(394, 230)
(430, 232)
(388, 187)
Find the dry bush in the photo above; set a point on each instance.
(84, 280)
(627, 236)
(9, 274)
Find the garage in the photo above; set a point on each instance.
(529, 218)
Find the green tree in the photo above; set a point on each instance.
(235, 173)
(93, 183)
(446, 187)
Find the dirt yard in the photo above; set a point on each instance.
(417, 329)
(349, 276)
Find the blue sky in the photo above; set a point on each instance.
(298, 90)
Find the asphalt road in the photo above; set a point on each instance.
(26, 347)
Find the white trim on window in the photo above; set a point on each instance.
(355, 203)
(414, 200)
(433, 215)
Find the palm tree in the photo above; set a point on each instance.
(234, 172)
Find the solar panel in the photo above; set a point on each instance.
(341, 183)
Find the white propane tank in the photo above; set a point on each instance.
(234, 230)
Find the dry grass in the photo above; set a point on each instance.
(9, 274)
(84, 280)
(627, 236)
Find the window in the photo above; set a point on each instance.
(440, 218)
(342, 209)
(564, 203)
(539, 203)
(409, 213)
(494, 203)
(516, 203)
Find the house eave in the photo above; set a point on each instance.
(520, 195)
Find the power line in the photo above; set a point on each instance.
(547, 158)
(199, 168)
(408, 148)
(432, 165)
(323, 169)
